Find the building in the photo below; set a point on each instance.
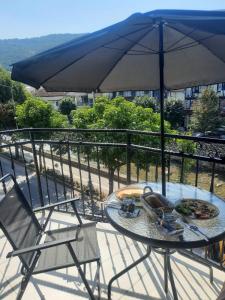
(54, 98)
(188, 96)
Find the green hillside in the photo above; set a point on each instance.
(13, 50)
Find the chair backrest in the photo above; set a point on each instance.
(18, 221)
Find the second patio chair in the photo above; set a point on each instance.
(66, 247)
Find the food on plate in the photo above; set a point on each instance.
(155, 200)
(129, 193)
(197, 209)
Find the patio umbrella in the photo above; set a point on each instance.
(158, 50)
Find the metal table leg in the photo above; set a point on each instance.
(167, 270)
(126, 270)
(165, 274)
(168, 267)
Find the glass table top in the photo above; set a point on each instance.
(144, 228)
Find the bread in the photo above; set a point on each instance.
(155, 200)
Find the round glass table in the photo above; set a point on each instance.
(145, 229)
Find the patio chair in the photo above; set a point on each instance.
(65, 247)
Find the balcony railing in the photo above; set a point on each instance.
(55, 164)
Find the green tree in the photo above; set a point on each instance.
(35, 112)
(117, 113)
(9, 89)
(7, 115)
(206, 112)
(174, 113)
(147, 102)
(66, 106)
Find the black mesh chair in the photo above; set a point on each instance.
(72, 246)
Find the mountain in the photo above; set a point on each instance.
(13, 50)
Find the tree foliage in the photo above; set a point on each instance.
(7, 115)
(35, 112)
(206, 112)
(67, 105)
(9, 89)
(117, 113)
(147, 102)
(174, 113)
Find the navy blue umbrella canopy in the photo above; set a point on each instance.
(158, 50)
(125, 56)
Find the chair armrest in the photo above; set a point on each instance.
(43, 246)
(55, 204)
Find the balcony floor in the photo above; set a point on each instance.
(143, 282)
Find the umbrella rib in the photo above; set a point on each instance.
(138, 52)
(179, 40)
(139, 44)
(199, 42)
(117, 61)
(76, 60)
(189, 45)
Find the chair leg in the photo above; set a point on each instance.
(92, 297)
(23, 285)
(79, 268)
(27, 276)
(85, 269)
(98, 279)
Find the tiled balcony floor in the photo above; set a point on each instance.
(143, 282)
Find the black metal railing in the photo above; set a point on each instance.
(56, 164)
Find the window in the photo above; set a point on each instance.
(195, 90)
(149, 93)
(155, 94)
(140, 93)
(188, 93)
(220, 87)
(127, 94)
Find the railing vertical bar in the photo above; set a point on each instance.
(90, 184)
(99, 173)
(1, 168)
(118, 177)
(128, 158)
(138, 171)
(46, 177)
(36, 168)
(54, 177)
(196, 172)
(27, 177)
(70, 169)
(62, 172)
(168, 167)
(212, 178)
(12, 162)
(156, 171)
(81, 181)
(2, 174)
(182, 171)
(146, 167)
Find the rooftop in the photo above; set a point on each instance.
(143, 282)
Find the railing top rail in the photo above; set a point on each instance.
(110, 130)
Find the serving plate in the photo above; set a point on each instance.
(196, 209)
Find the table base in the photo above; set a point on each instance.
(167, 270)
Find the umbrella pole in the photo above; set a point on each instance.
(161, 98)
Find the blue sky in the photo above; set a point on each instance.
(28, 18)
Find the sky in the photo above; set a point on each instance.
(32, 18)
